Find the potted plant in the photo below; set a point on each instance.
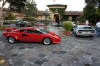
(68, 27)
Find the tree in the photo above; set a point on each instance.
(89, 11)
(30, 9)
(16, 5)
(11, 16)
(2, 13)
(92, 10)
(96, 2)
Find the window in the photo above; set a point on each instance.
(44, 31)
(22, 30)
(29, 31)
(85, 28)
(34, 31)
(38, 32)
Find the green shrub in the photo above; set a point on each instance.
(1, 26)
(31, 20)
(11, 21)
(68, 26)
(11, 16)
(4, 27)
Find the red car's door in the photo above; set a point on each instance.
(36, 36)
(32, 35)
(24, 35)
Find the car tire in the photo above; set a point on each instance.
(75, 35)
(46, 41)
(92, 36)
(11, 40)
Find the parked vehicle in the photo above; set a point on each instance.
(39, 24)
(29, 34)
(6, 23)
(25, 22)
(22, 24)
(84, 30)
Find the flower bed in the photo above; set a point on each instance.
(8, 28)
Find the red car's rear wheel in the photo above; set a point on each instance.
(46, 41)
(11, 40)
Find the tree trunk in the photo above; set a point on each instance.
(2, 13)
(1, 19)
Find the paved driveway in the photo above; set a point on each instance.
(71, 51)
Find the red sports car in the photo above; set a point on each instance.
(30, 34)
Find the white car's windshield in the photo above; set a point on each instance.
(85, 28)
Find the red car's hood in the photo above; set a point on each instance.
(55, 35)
(52, 33)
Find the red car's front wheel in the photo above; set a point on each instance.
(46, 41)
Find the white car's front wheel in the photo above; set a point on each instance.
(75, 35)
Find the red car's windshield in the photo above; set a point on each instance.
(42, 30)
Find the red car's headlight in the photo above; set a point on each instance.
(56, 36)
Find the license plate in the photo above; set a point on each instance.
(85, 32)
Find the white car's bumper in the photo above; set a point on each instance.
(86, 34)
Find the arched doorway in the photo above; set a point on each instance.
(57, 18)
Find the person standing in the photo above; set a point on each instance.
(86, 22)
(98, 28)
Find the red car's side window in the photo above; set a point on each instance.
(38, 32)
(29, 31)
(34, 31)
(22, 30)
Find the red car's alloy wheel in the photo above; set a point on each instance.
(11, 40)
(47, 41)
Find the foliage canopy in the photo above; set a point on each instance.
(92, 11)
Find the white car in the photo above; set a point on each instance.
(84, 30)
